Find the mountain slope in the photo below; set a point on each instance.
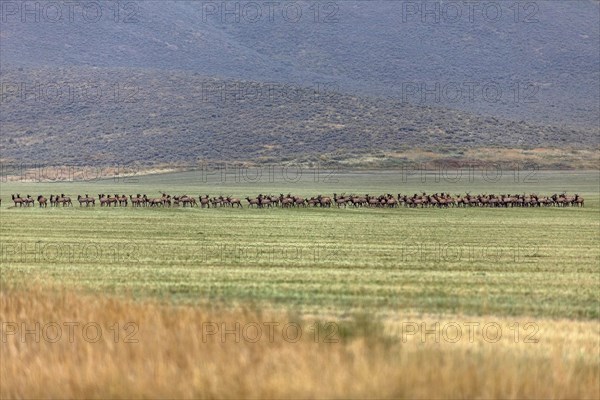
(158, 117)
(365, 48)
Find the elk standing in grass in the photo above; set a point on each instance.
(42, 201)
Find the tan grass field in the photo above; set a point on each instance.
(169, 353)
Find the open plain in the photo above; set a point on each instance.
(494, 302)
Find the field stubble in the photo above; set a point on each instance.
(375, 274)
(171, 356)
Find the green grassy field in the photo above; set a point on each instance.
(505, 262)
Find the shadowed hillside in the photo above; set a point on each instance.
(120, 116)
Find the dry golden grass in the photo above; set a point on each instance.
(171, 360)
(541, 158)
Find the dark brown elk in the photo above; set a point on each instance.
(42, 201)
(507, 200)
(442, 200)
(324, 201)
(205, 201)
(533, 201)
(184, 200)
(562, 200)
(137, 201)
(286, 202)
(494, 201)
(252, 202)
(166, 200)
(224, 201)
(299, 201)
(473, 200)
(520, 202)
(545, 201)
(432, 201)
(121, 200)
(103, 200)
(372, 201)
(107, 200)
(358, 201)
(232, 201)
(339, 201)
(87, 200)
(154, 202)
(65, 200)
(568, 199)
(191, 200)
(264, 201)
(391, 201)
(18, 200)
(312, 202)
(29, 201)
(274, 200)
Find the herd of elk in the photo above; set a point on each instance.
(490, 200)
(289, 200)
(22, 201)
(63, 200)
(108, 200)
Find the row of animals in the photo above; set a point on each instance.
(266, 201)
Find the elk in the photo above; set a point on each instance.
(107, 200)
(17, 200)
(234, 202)
(286, 202)
(42, 201)
(299, 201)
(324, 201)
(438, 200)
(137, 201)
(65, 200)
(339, 201)
(252, 202)
(264, 201)
(121, 200)
(86, 200)
(204, 201)
(154, 202)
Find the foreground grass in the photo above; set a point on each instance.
(375, 283)
(165, 352)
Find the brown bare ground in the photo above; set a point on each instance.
(539, 158)
(171, 359)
